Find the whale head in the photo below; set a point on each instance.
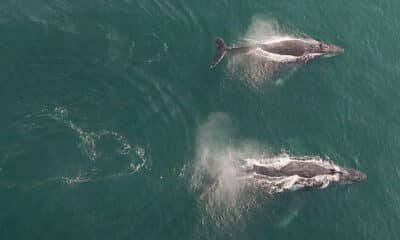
(349, 175)
(326, 49)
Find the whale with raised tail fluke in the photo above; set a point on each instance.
(295, 50)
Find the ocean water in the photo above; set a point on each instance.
(111, 119)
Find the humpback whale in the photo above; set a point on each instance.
(295, 50)
(293, 174)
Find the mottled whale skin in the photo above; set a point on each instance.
(299, 50)
(309, 170)
(304, 174)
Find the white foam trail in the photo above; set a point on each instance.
(80, 179)
(135, 156)
(88, 139)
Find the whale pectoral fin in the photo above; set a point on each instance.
(273, 57)
(309, 56)
(324, 185)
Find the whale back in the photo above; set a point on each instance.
(299, 168)
(293, 47)
(306, 169)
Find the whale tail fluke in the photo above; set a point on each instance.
(221, 50)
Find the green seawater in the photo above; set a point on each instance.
(107, 106)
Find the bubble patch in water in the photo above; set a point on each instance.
(135, 156)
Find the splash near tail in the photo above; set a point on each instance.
(221, 50)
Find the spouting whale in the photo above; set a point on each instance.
(295, 50)
(293, 174)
